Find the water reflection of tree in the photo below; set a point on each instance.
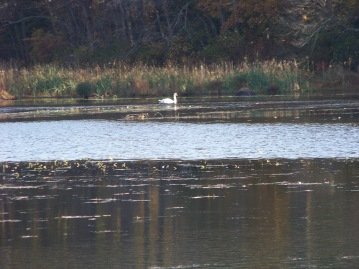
(262, 216)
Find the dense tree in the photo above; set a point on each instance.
(325, 29)
(249, 26)
(85, 31)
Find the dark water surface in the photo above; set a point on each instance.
(228, 109)
(215, 214)
(224, 183)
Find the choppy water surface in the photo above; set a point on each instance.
(205, 184)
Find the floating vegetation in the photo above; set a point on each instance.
(15, 187)
(207, 265)
(10, 221)
(41, 220)
(216, 186)
(175, 208)
(83, 217)
(121, 194)
(136, 200)
(101, 201)
(19, 198)
(139, 116)
(205, 197)
(85, 170)
(104, 232)
(29, 236)
(349, 257)
(298, 191)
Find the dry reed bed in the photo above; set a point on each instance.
(120, 80)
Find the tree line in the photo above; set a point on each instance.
(178, 31)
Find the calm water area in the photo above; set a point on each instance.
(209, 183)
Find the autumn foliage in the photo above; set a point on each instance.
(183, 31)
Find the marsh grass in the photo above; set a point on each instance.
(120, 80)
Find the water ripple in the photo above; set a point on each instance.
(103, 139)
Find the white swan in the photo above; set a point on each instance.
(169, 100)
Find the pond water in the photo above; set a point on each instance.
(108, 139)
(216, 214)
(207, 184)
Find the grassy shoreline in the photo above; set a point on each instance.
(119, 80)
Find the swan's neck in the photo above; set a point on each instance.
(175, 99)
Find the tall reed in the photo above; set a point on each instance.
(123, 80)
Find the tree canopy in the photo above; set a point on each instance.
(158, 31)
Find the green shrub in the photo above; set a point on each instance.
(103, 85)
(259, 81)
(234, 82)
(49, 85)
(85, 89)
(123, 88)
